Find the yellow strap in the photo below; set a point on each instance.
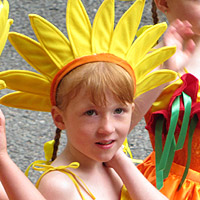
(76, 179)
(37, 162)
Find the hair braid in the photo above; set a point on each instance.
(56, 144)
(154, 13)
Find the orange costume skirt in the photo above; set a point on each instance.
(174, 186)
(190, 189)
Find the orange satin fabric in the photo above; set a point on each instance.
(190, 189)
(181, 155)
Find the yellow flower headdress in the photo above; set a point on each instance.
(4, 29)
(54, 55)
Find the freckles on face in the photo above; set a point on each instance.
(97, 131)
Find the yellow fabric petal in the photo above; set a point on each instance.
(33, 53)
(2, 85)
(103, 26)
(152, 60)
(46, 33)
(126, 29)
(4, 36)
(143, 29)
(5, 23)
(143, 43)
(26, 101)
(26, 81)
(78, 28)
(154, 80)
(4, 10)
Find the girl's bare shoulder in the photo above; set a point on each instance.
(57, 185)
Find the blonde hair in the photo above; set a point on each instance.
(97, 78)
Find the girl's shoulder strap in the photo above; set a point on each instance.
(64, 169)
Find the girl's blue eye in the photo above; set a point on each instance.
(90, 112)
(118, 110)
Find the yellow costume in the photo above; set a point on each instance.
(76, 180)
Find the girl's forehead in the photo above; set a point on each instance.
(84, 95)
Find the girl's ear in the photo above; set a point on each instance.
(57, 117)
(162, 5)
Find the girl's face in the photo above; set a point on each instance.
(184, 10)
(95, 132)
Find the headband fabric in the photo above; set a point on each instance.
(54, 53)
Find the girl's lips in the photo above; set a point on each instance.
(105, 144)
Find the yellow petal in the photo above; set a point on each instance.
(26, 101)
(103, 27)
(153, 60)
(126, 29)
(52, 40)
(78, 28)
(33, 53)
(5, 23)
(26, 81)
(154, 80)
(145, 42)
(2, 85)
(4, 10)
(4, 36)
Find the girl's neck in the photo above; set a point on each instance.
(70, 155)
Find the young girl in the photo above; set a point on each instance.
(174, 164)
(89, 84)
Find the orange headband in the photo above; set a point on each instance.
(103, 57)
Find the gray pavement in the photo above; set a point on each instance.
(27, 131)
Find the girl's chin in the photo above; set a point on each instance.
(105, 159)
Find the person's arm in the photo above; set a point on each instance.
(179, 34)
(138, 186)
(15, 183)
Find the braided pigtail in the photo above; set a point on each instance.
(154, 13)
(56, 144)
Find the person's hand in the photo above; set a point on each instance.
(116, 159)
(3, 144)
(179, 34)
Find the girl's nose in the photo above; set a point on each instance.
(106, 126)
